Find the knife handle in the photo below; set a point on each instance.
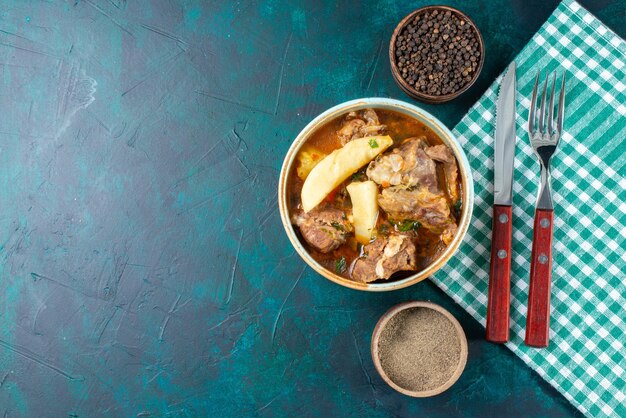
(538, 316)
(498, 303)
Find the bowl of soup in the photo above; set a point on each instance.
(375, 194)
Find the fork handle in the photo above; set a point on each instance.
(498, 302)
(538, 316)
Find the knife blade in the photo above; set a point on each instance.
(498, 301)
(505, 140)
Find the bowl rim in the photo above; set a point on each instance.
(380, 326)
(408, 109)
(404, 86)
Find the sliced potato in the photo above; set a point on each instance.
(307, 158)
(364, 209)
(338, 166)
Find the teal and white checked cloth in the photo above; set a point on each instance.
(586, 357)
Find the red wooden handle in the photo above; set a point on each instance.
(498, 303)
(538, 317)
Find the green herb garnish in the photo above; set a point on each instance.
(340, 265)
(383, 229)
(373, 143)
(359, 176)
(337, 226)
(407, 225)
(458, 205)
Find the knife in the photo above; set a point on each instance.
(498, 303)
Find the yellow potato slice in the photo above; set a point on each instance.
(364, 209)
(307, 158)
(338, 166)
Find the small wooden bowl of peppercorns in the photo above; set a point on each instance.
(436, 53)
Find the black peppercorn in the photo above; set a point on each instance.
(437, 52)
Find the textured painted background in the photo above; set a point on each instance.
(143, 267)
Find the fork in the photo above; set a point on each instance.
(544, 138)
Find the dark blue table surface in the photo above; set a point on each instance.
(143, 267)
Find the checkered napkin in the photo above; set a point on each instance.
(585, 360)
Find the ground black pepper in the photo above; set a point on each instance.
(419, 349)
(437, 52)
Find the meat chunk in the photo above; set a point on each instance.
(444, 155)
(324, 229)
(440, 153)
(385, 256)
(406, 165)
(409, 175)
(370, 117)
(359, 125)
(431, 210)
(350, 129)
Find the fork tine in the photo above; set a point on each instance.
(550, 122)
(533, 105)
(542, 109)
(559, 118)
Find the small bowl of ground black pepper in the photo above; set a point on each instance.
(436, 54)
(419, 349)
